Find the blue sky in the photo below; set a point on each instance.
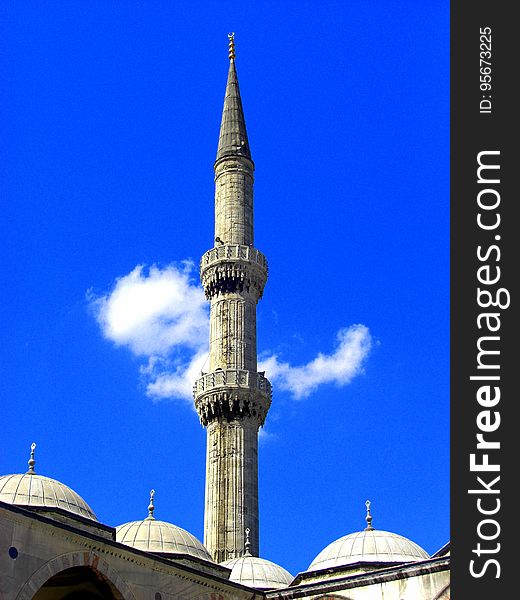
(110, 123)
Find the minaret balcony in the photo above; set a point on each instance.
(232, 394)
(233, 268)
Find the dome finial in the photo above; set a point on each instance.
(368, 517)
(231, 37)
(31, 462)
(247, 543)
(151, 506)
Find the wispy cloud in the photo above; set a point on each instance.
(354, 344)
(174, 379)
(265, 436)
(162, 316)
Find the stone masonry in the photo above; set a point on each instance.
(232, 400)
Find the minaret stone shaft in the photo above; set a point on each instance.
(232, 400)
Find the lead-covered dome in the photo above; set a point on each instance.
(32, 490)
(257, 572)
(160, 537)
(368, 546)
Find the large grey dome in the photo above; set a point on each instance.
(257, 572)
(368, 546)
(30, 489)
(373, 546)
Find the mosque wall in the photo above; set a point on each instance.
(428, 580)
(34, 549)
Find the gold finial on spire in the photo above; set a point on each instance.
(151, 507)
(368, 517)
(231, 37)
(247, 543)
(31, 462)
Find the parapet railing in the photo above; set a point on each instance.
(235, 378)
(233, 252)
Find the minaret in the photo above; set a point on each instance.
(232, 400)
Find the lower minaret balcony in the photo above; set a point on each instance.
(232, 268)
(232, 394)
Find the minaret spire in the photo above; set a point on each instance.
(231, 37)
(232, 400)
(233, 135)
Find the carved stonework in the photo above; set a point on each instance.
(232, 252)
(229, 165)
(233, 268)
(232, 394)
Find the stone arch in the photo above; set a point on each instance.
(444, 594)
(84, 563)
(332, 597)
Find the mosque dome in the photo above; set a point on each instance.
(32, 490)
(368, 546)
(160, 537)
(257, 572)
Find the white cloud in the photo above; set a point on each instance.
(154, 312)
(162, 316)
(339, 367)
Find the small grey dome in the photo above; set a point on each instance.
(370, 545)
(32, 490)
(160, 537)
(257, 572)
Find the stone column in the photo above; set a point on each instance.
(232, 487)
(232, 400)
(234, 201)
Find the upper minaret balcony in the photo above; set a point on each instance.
(233, 268)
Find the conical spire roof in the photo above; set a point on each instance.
(233, 135)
